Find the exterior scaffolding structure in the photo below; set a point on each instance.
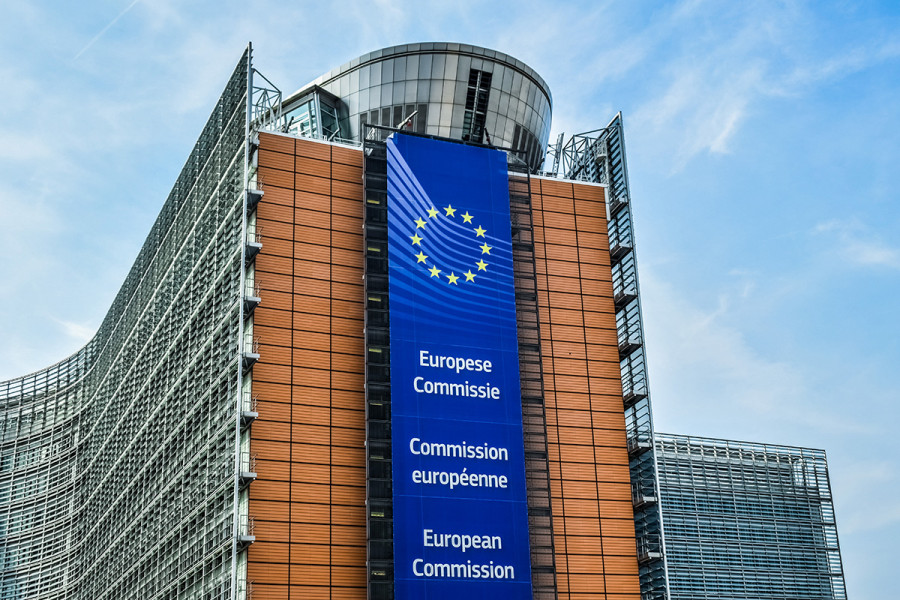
(265, 107)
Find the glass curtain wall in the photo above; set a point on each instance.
(747, 520)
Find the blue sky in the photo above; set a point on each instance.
(763, 144)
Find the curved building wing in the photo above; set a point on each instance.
(119, 466)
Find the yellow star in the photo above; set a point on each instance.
(482, 266)
(421, 257)
(432, 212)
(470, 276)
(479, 232)
(485, 249)
(434, 271)
(467, 218)
(416, 239)
(450, 210)
(452, 278)
(420, 223)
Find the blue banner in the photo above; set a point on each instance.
(460, 513)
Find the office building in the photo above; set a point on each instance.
(747, 520)
(328, 316)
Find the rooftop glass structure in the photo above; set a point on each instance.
(450, 90)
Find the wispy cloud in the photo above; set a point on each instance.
(81, 332)
(705, 104)
(845, 63)
(858, 244)
(105, 29)
(864, 519)
(702, 365)
(717, 62)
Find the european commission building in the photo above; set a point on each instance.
(383, 341)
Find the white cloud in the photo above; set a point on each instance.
(844, 63)
(705, 105)
(857, 244)
(871, 516)
(32, 223)
(25, 149)
(719, 61)
(81, 332)
(703, 368)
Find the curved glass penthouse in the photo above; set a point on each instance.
(455, 91)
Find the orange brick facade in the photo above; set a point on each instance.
(593, 521)
(308, 502)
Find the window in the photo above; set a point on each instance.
(476, 105)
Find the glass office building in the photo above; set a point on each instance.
(226, 434)
(121, 469)
(746, 520)
(214, 439)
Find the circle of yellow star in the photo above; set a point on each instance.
(421, 257)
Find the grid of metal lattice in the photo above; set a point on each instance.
(608, 156)
(748, 521)
(118, 469)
